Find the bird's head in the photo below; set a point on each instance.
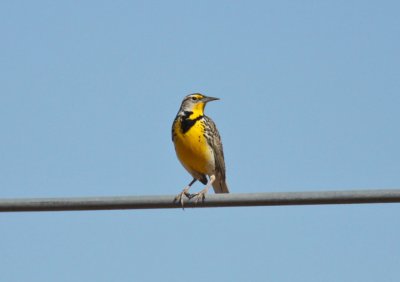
(194, 104)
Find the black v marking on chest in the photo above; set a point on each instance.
(187, 123)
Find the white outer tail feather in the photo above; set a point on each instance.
(220, 186)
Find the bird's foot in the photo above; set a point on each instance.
(199, 195)
(179, 197)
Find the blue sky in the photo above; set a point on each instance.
(309, 101)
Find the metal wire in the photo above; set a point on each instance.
(211, 200)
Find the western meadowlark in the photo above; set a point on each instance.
(198, 146)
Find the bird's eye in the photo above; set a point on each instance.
(194, 98)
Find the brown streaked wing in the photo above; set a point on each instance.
(214, 140)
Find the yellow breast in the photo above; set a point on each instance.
(192, 149)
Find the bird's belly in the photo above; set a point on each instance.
(194, 153)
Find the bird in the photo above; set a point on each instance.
(198, 147)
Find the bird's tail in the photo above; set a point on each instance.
(220, 186)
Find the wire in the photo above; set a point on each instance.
(211, 200)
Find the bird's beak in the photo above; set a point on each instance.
(209, 99)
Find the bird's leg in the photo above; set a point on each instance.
(185, 191)
(202, 194)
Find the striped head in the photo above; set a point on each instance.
(193, 105)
